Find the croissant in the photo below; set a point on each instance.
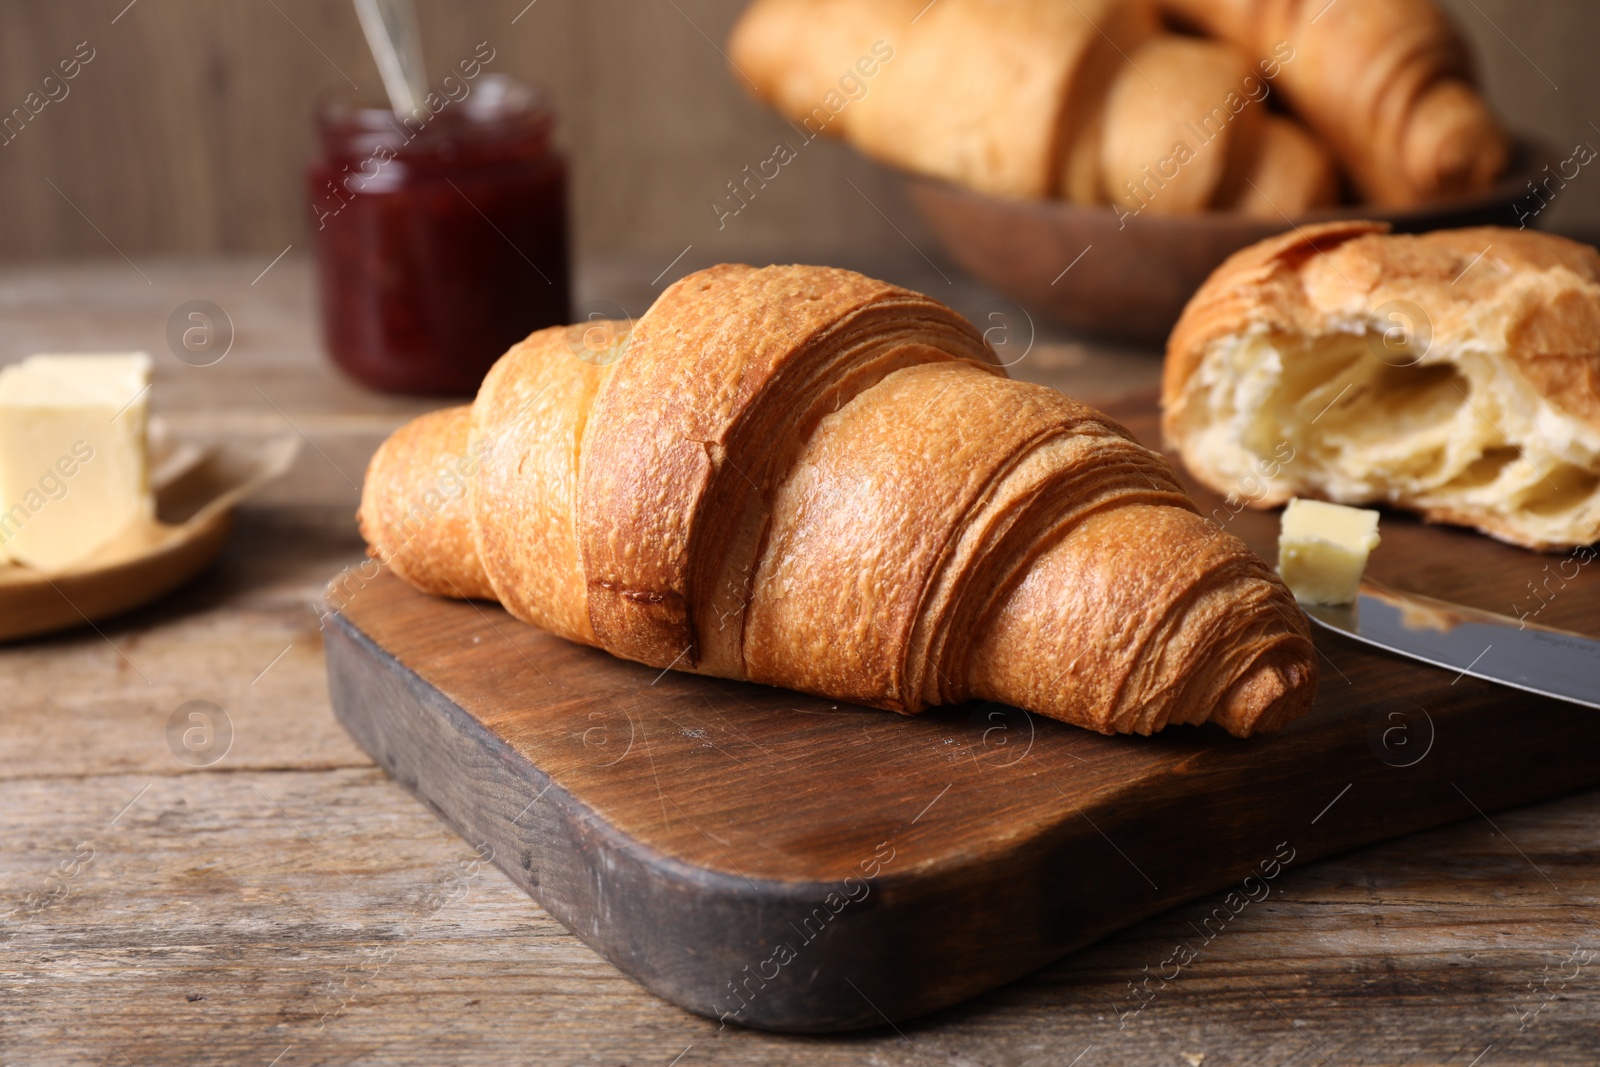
(1290, 174)
(1002, 96)
(1170, 141)
(1456, 374)
(803, 477)
(1386, 83)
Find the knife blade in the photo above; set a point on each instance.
(1469, 641)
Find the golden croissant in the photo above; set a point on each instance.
(1087, 100)
(803, 477)
(1387, 83)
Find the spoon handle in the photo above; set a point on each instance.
(391, 30)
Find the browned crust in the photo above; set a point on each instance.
(528, 423)
(1175, 91)
(806, 477)
(1386, 83)
(414, 506)
(1150, 615)
(989, 93)
(720, 354)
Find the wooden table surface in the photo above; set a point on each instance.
(288, 904)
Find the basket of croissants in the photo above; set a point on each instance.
(1098, 159)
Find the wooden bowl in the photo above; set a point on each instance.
(1130, 279)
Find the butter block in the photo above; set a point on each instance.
(1323, 549)
(73, 467)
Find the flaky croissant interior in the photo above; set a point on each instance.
(1428, 402)
(1460, 433)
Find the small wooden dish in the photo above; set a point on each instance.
(1130, 278)
(195, 496)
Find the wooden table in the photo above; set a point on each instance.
(288, 904)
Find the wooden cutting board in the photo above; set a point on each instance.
(797, 864)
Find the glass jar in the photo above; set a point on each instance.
(441, 237)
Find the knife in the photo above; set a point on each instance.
(1497, 648)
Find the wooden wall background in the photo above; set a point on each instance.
(188, 131)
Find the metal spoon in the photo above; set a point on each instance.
(391, 30)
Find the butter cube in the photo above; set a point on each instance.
(73, 469)
(1323, 549)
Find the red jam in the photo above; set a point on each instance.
(441, 241)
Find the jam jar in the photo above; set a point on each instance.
(441, 237)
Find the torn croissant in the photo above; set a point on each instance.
(1456, 374)
(803, 477)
